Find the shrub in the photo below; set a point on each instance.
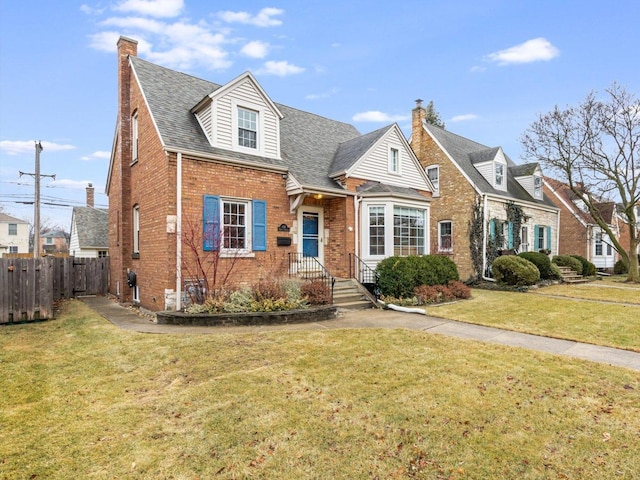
(316, 292)
(268, 289)
(541, 261)
(454, 290)
(555, 274)
(620, 268)
(588, 268)
(515, 270)
(398, 276)
(568, 261)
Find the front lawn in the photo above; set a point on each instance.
(83, 399)
(540, 312)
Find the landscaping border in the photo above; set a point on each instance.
(308, 315)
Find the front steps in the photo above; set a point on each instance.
(570, 276)
(349, 294)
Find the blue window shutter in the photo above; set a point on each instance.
(510, 244)
(492, 229)
(536, 230)
(211, 223)
(259, 225)
(549, 238)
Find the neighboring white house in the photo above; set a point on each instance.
(14, 235)
(89, 232)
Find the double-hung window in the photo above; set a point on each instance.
(524, 239)
(376, 230)
(537, 186)
(434, 175)
(247, 128)
(235, 225)
(408, 231)
(13, 229)
(134, 137)
(136, 230)
(445, 236)
(598, 244)
(394, 160)
(499, 174)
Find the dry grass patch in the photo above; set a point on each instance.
(608, 291)
(82, 399)
(613, 325)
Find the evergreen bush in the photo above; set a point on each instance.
(515, 270)
(588, 268)
(620, 268)
(568, 261)
(541, 261)
(398, 276)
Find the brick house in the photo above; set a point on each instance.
(579, 232)
(259, 182)
(464, 174)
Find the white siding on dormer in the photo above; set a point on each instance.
(488, 170)
(375, 166)
(219, 120)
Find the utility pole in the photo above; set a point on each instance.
(36, 213)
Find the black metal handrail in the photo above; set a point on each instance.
(309, 268)
(364, 274)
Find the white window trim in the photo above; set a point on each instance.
(440, 247)
(524, 241)
(436, 192)
(136, 229)
(389, 203)
(537, 189)
(500, 185)
(238, 252)
(397, 170)
(260, 112)
(134, 137)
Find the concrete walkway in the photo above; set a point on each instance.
(129, 320)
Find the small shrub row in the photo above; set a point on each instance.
(588, 268)
(454, 290)
(541, 261)
(398, 276)
(266, 296)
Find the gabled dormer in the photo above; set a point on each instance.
(241, 117)
(492, 165)
(529, 176)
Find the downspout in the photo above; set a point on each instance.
(484, 239)
(558, 234)
(179, 232)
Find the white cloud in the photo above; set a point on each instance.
(318, 96)
(377, 116)
(21, 147)
(281, 68)
(478, 69)
(264, 18)
(91, 10)
(255, 49)
(99, 155)
(535, 50)
(465, 117)
(153, 8)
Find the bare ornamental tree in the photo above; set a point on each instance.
(595, 149)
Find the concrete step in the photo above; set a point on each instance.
(347, 294)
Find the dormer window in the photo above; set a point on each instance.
(499, 175)
(247, 128)
(537, 186)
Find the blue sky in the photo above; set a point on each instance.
(489, 66)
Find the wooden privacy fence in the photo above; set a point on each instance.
(29, 286)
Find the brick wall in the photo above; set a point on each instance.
(573, 234)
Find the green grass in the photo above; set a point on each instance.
(541, 312)
(83, 399)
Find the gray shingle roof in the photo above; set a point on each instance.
(524, 170)
(9, 219)
(463, 151)
(92, 225)
(372, 187)
(350, 151)
(308, 142)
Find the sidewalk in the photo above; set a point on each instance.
(126, 319)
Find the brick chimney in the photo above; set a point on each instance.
(90, 195)
(418, 135)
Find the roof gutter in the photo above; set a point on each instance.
(222, 159)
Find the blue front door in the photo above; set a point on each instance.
(310, 236)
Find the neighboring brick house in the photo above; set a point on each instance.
(259, 181)
(579, 232)
(465, 173)
(89, 230)
(54, 241)
(624, 228)
(14, 235)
